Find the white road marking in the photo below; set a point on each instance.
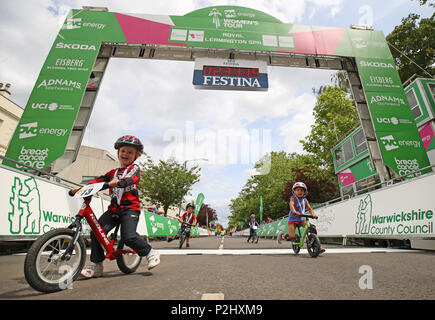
(212, 296)
(269, 251)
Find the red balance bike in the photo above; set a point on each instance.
(57, 257)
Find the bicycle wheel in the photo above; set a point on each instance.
(127, 262)
(313, 245)
(44, 269)
(182, 238)
(296, 248)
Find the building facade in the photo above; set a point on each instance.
(10, 114)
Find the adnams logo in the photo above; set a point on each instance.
(60, 84)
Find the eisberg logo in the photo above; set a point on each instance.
(376, 64)
(75, 46)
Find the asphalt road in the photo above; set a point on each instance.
(263, 274)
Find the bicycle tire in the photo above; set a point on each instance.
(296, 248)
(313, 245)
(123, 264)
(182, 238)
(36, 278)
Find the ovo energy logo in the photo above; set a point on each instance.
(76, 23)
(29, 130)
(390, 143)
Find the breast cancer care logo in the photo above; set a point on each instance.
(25, 212)
(364, 216)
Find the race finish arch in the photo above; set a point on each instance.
(51, 129)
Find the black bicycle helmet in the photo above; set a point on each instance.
(190, 205)
(129, 141)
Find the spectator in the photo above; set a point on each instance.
(155, 209)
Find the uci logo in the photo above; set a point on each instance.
(28, 130)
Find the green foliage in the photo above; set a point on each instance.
(273, 185)
(334, 116)
(414, 39)
(166, 182)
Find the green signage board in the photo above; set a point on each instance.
(42, 134)
(162, 226)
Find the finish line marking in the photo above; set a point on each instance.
(287, 251)
(212, 296)
(275, 251)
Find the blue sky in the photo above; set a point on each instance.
(155, 99)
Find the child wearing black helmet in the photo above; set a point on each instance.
(188, 217)
(124, 206)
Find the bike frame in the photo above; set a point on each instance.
(302, 238)
(108, 245)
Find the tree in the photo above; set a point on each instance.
(412, 45)
(319, 189)
(284, 169)
(334, 116)
(204, 212)
(166, 182)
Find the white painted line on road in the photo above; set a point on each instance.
(212, 296)
(269, 251)
(276, 251)
(221, 247)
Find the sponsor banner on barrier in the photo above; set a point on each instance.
(162, 226)
(32, 206)
(390, 213)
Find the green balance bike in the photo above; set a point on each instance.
(309, 234)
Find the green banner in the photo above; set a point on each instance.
(47, 121)
(398, 137)
(162, 226)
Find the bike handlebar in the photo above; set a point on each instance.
(307, 216)
(105, 186)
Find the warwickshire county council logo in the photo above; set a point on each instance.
(364, 216)
(25, 208)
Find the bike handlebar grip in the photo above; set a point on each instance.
(70, 193)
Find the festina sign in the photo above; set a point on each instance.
(229, 74)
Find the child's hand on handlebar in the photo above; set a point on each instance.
(75, 189)
(113, 183)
